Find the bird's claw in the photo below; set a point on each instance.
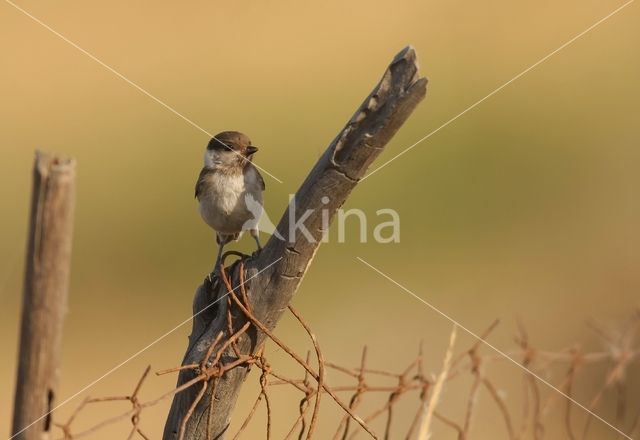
(215, 273)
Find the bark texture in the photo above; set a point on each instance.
(273, 276)
(45, 295)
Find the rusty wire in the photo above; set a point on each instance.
(411, 381)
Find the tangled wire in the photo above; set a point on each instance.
(427, 390)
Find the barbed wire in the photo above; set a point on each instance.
(619, 354)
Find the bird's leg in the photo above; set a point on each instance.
(222, 240)
(256, 236)
(216, 268)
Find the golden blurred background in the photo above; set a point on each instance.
(527, 206)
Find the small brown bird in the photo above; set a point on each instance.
(229, 189)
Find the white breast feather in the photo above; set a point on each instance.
(222, 204)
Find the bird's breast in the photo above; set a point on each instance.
(223, 204)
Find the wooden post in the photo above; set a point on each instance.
(45, 295)
(274, 275)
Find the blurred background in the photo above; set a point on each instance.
(527, 206)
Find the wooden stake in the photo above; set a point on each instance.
(45, 295)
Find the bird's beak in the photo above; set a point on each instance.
(251, 150)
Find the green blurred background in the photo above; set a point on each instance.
(526, 206)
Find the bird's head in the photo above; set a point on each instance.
(229, 149)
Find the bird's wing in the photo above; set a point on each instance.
(201, 182)
(251, 167)
(261, 180)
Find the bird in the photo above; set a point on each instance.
(229, 189)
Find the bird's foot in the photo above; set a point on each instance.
(215, 273)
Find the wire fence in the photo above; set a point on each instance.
(411, 384)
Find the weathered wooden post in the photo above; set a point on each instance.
(274, 275)
(44, 304)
